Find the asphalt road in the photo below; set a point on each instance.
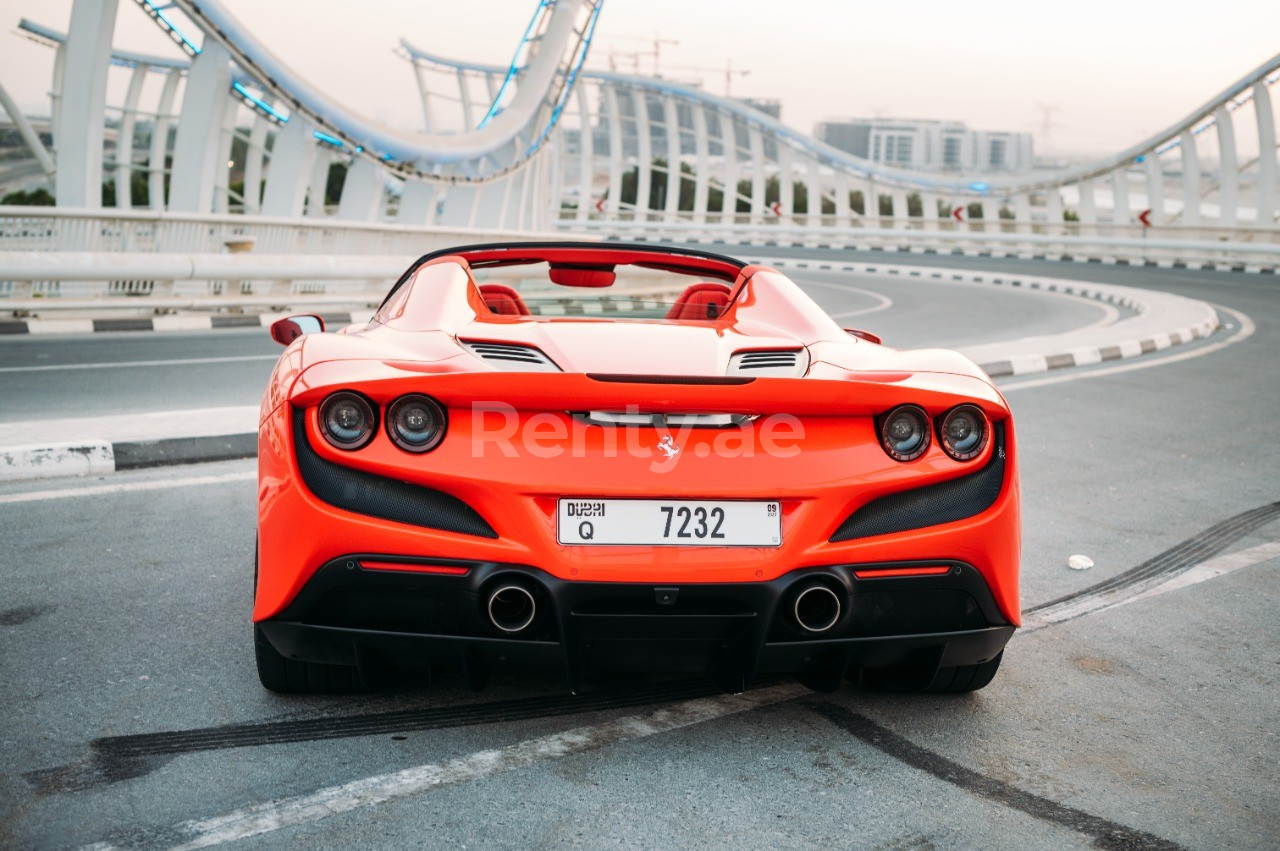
(114, 373)
(1147, 725)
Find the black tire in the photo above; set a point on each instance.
(965, 678)
(957, 680)
(290, 676)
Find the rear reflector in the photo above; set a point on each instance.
(898, 572)
(445, 569)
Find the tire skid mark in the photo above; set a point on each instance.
(23, 614)
(125, 757)
(116, 758)
(1152, 572)
(1104, 832)
(269, 816)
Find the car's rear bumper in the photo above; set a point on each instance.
(316, 505)
(352, 615)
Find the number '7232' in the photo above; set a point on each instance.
(706, 524)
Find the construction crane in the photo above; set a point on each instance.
(728, 70)
(657, 41)
(633, 59)
(656, 56)
(1046, 125)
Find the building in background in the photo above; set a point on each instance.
(769, 106)
(928, 145)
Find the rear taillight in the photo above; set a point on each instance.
(904, 432)
(347, 420)
(416, 423)
(963, 431)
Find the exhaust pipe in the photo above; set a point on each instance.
(512, 608)
(817, 608)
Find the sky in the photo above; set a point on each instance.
(1114, 71)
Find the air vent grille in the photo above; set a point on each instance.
(511, 356)
(788, 363)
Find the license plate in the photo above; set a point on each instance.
(669, 522)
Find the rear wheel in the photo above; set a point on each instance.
(956, 680)
(965, 677)
(291, 676)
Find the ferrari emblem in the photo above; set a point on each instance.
(668, 447)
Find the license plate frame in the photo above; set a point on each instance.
(680, 522)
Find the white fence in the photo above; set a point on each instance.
(62, 229)
(1224, 248)
(56, 258)
(59, 258)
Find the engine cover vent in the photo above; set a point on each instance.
(511, 356)
(780, 363)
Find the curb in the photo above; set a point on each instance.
(165, 323)
(97, 457)
(1034, 363)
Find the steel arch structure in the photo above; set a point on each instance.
(643, 124)
(232, 85)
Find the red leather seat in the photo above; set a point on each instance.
(700, 301)
(503, 300)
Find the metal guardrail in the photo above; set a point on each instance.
(52, 257)
(63, 229)
(33, 281)
(828, 222)
(1251, 249)
(56, 257)
(233, 281)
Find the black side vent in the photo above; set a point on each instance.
(758, 360)
(377, 496)
(511, 356)
(931, 505)
(785, 363)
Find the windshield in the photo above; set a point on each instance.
(634, 293)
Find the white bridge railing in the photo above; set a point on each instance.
(62, 229)
(1234, 248)
(58, 258)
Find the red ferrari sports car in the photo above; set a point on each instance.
(628, 458)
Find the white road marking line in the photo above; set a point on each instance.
(845, 314)
(883, 302)
(1110, 314)
(1210, 569)
(287, 812)
(1246, 330)
(136, 363)
(1205, 570)
(130, 487)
